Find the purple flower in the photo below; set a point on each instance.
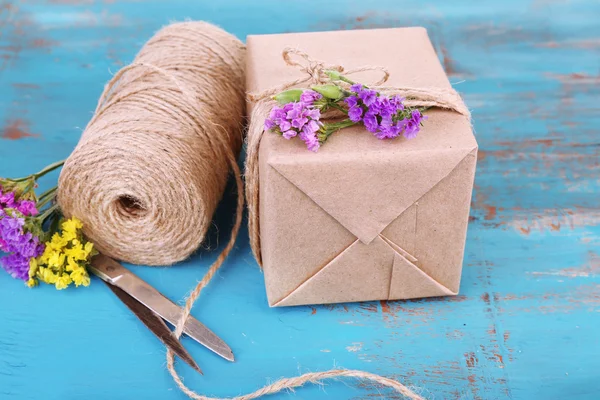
(276, 115)
(397, 101)
(269, 124)
(309, 96)
(413, 124)
(313, 113)
(16, 265)
(355, 113)
(285, 125)
(370, 121)
(368, 96)
(313, 144)
(351, 101)
(311, 140)
(298, 118)
(385, 107)
(21, 245)
(11, 228)
(356, 88)
(28, 246)
(289, 134)
(389, 131)
(411, 130)
(27, 208)
(298, 123)
(7, 200)
(311, 127)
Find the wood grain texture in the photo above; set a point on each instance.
(526, 322)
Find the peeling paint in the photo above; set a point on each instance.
(16, 129)
(32, 86)
(588, 44)
(355, 347)
(471, 359)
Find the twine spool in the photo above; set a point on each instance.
(152, 164)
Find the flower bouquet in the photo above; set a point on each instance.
(301, 110)
(38, 243)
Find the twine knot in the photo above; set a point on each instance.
(315, 72)
(315, 69)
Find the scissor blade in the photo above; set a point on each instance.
(156, 325)
(112, 272)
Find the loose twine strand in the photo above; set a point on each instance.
(153, 162)
(314, 70)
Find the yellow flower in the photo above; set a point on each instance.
(89, 249)
(33, 267)
(72, 265)
(58, 242)
(63, 281)
(56, 260)
(46, 275)
(64, 259)
(69, 236)
(32, 282)
(43, 259)
(72, 226)
(77, 251)
(80, 277)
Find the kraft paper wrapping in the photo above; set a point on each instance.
(363, 219)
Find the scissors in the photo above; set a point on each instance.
(153, 309)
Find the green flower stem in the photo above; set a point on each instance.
(338, 107)
(49, 168)
(48, 212)
(344, 79)
(43, 172)
(336, 126)
(48, 193)
(336, 76)
(46, 198)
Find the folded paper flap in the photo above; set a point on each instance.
(405, 254)
(350, 49)
(407, 276)
(408, 281)
(347, 277)
(366, 190)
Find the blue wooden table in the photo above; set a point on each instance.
(526, 322)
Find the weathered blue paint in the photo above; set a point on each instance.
(526, 323)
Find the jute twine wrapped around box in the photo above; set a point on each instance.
(153, 161)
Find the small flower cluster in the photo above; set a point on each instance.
(64, 259)
(34, 248)
(24, 206)
(300, 112)
(17, 233)
(385, 117)
(298, 118)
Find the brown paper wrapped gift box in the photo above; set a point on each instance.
(363, 219)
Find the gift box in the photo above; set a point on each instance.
(363, 219)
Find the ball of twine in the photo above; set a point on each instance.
(152, 164)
